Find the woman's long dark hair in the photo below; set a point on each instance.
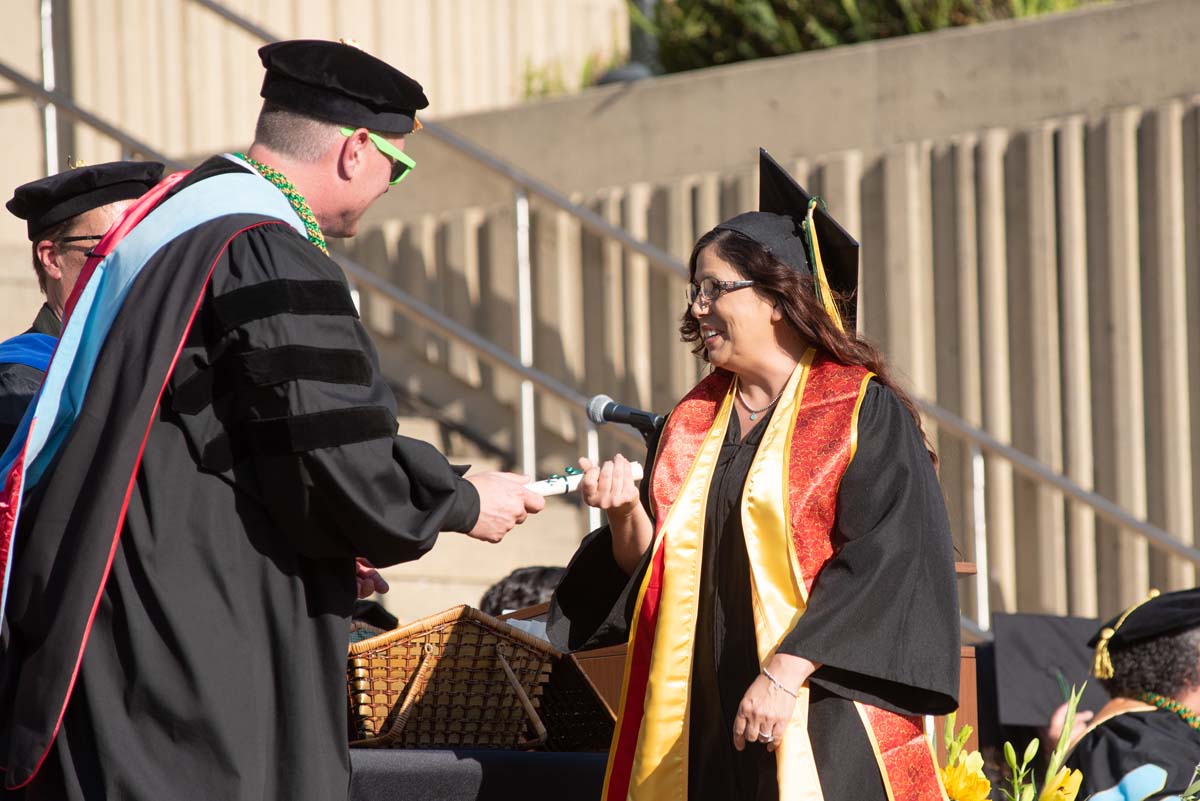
(793, 291)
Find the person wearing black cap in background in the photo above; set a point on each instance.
(782, 631)
(65, 215)
(1145, 742)
(220, 451)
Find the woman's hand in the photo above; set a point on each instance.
(765, 709)
(610, 487)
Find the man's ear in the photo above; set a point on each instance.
(47, 254)
(352, 156)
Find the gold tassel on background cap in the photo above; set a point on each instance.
(75, 164)
(1102, 665)
(824, 293)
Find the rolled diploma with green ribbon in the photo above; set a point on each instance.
(561, 485)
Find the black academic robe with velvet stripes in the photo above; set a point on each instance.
(214, 665)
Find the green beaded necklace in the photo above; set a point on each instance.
(1171, 705)
(295, 198)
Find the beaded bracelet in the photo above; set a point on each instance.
(775, 682)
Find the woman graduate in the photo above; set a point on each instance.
(785, 577)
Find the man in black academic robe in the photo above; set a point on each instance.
(65, 215)
(178, 617)
(1145, 743)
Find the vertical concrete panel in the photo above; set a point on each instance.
(1190, 178)
(458, 280)
(1164, 313)
(968, 321)
(1076, 364)
(706, 208)
(997, 411)
(1035, 373)
(615, 328)
(909, 267)
(873, 314)
(22, 122)
(841, 183)
(638, 322)
(171, 57)
(956, 329)
(498, 288)
(673, 368)
(1116, 331)
(1126, 345)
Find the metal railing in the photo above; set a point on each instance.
(524, 186)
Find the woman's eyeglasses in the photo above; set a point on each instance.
(710, 289)
(402, 164)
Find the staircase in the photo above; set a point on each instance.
(460, 569)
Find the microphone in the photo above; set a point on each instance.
(602, 409)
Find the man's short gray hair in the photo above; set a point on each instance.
(293, 134)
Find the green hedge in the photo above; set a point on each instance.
(702, 33)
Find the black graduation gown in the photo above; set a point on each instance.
(882, 616)
(1126, 742)
(215, 665)
(20, 382)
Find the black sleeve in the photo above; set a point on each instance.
(882, 619)
(18, 384)
(593, 604)
(281, 389)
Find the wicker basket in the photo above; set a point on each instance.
(460, 678)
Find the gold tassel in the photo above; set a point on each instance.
(1102, 663)
(823, 291)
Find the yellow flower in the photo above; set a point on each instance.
(1063, 787)
(965, 781)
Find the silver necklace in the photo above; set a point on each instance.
(754, 413)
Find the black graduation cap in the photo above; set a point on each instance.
(1038, 659)
(1160, 615)
(56, 198)
(340, 83)
(779, 226)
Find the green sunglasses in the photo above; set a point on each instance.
(402, 164)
